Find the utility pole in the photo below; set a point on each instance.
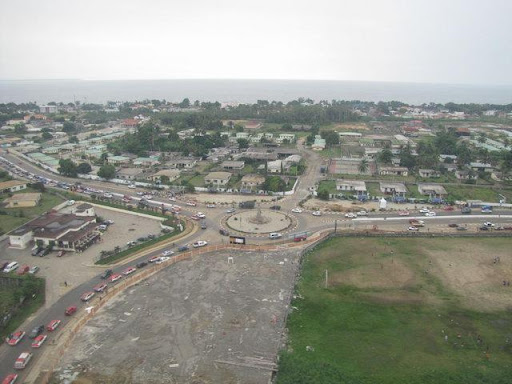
(326, 278)
(335, 225)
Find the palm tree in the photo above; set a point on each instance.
(363, 166)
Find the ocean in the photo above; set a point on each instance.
(246, 91)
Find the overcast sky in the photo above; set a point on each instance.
(434, 41)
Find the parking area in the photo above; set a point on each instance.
(76, 268)
(217, 318)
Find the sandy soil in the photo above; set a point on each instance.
(199, 321)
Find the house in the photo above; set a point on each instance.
(130, 173)
(233, 165)
(276, 166)
(23, 200)
(350, 166)
(252, 182)
(146, 161)
(465, 175)
(319, 143)
(217, 178)
(394, 171)
(481, 167)
(288, 137)
(118, 160)
(242, 135)
(253, 124)
(172, 174)
(395, 189)
(84, 210)
(354, 186)
(129, 123)
(12, 186)
(64, 231)
(48, 109)
(434, 191)
(182, 163)
(258, 154)
(429, 173)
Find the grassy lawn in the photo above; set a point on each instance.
(331, 153)
(329, 185)
(470, 192)
(383, 320)
(16, 217)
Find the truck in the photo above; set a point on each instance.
(22, 361)
(417, 223)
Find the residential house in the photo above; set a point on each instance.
(48, 109)
(118, 160)
(182, 163)
(217, 178)
(23, 200)
(301, 127)
(233, 165)
(354, 186)
(252, 182)
(429, 173)
(130, 123)
(465, 175)
(394, 171)
(481, 167)
(288, 137)
(146, 161)
(172, 174)
(276, 166)
(396, 189)
(12, 186)
(253, 124)
(319, 143)
(130, 173)
(350, 166)
(434, 191)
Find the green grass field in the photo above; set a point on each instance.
(18, 216)
(383, 319)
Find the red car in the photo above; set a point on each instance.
(87, 296)
(403, 213)
(154, 259)
(15, 338)
(100, 287)
(70, 310)
(39, 340)
(448, 208)
(115, 277)
(52, 325)
(22, 270)
(10, 379)
(129, 270)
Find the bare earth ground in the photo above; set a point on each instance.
(178, 325)
(354, 206)
(465, 267)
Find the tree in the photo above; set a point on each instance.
(164, 179)
(331, 138)
(73, 139)
(84, 168)
(107, 171)
(385, 156)
(68, 126)
(363, 166)
(243, 143)
(464, 155)
(185, 103)
(20, 128)
(406, 158)
(47, 136)
(286, 127)
(67, 168)
(274, 184)
(323, 194)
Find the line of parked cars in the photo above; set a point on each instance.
(8, 267)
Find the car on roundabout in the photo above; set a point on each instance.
(162, 259)
(129, 271)
(430, 214)
(350, 215)
(70, 310)
(10, 379)
(100, 287)
(15, 338)
(316, 213)
(200, 243)
(53, 325)
(230, 210)
(275, 235)
(167, 252)
(115, 277)
(38, 341)
(424, 210)
(297, 210)
(87, 296)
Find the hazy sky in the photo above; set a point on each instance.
(439, 41)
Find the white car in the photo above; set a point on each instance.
(488, 224)
(201, 215)
(413, 229)
(424, 210)
(167, 253)
(210, 205)
(430, 214)
(162, 259)
(230, 210)
(199, 243)
(297, 210)
(316, 213)
(108, 195)
(275, 235)
(350, 215)
(131, 186)
(362, 213)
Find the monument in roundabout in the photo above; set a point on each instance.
(259, 221)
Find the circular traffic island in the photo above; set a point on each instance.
(259, 221)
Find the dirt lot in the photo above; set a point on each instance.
(199, 321)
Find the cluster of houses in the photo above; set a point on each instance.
(397, 191)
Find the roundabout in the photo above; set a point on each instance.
(259, 221)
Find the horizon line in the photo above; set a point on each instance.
(265, 79)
